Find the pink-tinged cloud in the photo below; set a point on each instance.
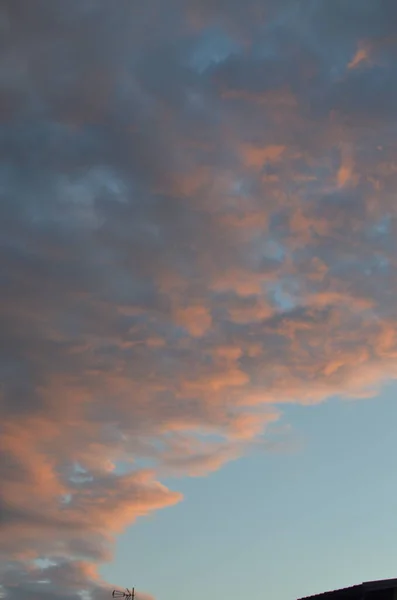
(195, 319)
(361, 56)
(256, 157)
(197, 226)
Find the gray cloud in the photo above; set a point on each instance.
(197, 224)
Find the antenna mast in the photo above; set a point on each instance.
(127, 594)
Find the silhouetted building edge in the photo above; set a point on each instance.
(384, 589)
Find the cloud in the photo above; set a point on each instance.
(198, 225)
(195, 319)
(361, 55)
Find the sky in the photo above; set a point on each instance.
(198, 275)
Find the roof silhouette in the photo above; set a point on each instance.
(355, 591)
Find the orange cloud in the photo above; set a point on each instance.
(243, 283)
(216, 238)
(196, 319)
(256, 157)
(362, 55)
(227, 353)
(345, 175)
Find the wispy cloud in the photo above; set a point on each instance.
(198, 224)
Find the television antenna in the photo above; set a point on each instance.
(127, 594)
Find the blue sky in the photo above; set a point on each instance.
(284, 524)
(198, 350)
